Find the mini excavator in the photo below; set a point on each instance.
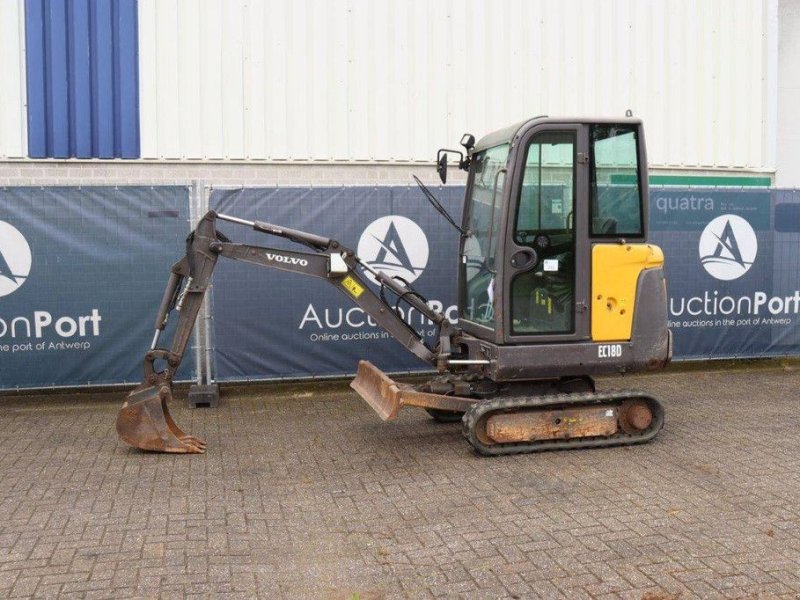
(556, 283)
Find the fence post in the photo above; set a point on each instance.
(204, 392)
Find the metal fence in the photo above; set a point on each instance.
(82, 271)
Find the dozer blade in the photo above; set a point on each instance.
(387, 397)
(144, 422)
(380, 392)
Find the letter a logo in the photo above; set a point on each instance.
(396, 246)
(15, 259)
(728, 247)
(727, 244)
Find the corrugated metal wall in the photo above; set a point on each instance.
(13, 133)
(788, 138)
(394, 80)
(348, 80)
(82, 78)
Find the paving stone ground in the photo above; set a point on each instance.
(304, 493)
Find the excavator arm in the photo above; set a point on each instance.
(144, 420)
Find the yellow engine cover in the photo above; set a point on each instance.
(615, 273)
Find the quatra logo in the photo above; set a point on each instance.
(395, 245)
(728, 247)
(15, 259)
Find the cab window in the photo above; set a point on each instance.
(484, 227)
(542, 299)
(616, 197)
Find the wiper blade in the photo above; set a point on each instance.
(438, 205)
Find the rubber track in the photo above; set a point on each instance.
(611, 398)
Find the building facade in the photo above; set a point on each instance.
(341, 91)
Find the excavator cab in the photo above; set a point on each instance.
(556, 283)
(555, 222)
(539, 195)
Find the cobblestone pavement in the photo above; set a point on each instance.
(305, 493)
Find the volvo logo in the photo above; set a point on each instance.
(395, 245)
(728, 247)
(287, 260)
(15, 259)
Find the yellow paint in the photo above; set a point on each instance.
(352, 286)
(542, 299)
(615, 273)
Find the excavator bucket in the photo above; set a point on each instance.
(380, 392)
(144, 422)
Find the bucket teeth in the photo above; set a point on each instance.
(144, 422)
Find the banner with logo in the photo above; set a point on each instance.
(82, 271)
(732, 263)
(272, 324)
(733, 270)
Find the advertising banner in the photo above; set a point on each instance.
(82, 271)
(732, 264)
(733, 270)
(272, 324)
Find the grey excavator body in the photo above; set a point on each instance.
(556, 283)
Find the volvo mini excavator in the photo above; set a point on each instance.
(556, 283)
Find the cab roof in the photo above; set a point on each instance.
(506, 135)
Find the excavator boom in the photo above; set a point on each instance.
(145, 422)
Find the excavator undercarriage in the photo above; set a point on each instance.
(557, 414)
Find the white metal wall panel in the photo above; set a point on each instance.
(348, 80)
(13, 129)
(788, 95)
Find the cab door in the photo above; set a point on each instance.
(546, 260)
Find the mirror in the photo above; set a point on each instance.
(441, 166)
